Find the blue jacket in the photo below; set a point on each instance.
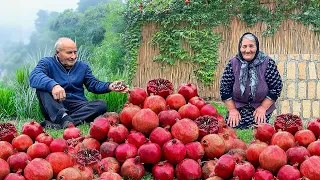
(49, 72)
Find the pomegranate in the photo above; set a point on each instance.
(288, 122)
(239, 144)
(288, 172)
(197, 101)
(132, 169)
(112, 117)
(38, 150)
(18, 160)
(207, 125)
(297, 154)
(14, 176)
(304, 137)
(109, 164)
(136, 138)
(5, 169)
(108, 148)
(160, 136)
(39, 168)
(127, 114)
(174, 151)
(69, 173)
(89, 143)
(310, 167)
(149, 153)
(59, 161)
(159, 86)
(238, 154)
(214, 178)
(6, 150)
(58, 145)
(44, 138)
(118, 133)
(283, 139)
(254, 150)
(99, 128)
(168, 117)
(262, 174)
(71, 132)
(273, 158)
(32, 129)
(137, 96)
(111, 176)
(188, 169)
(213, 145)
(86, 172)
(155, 103)
(263, 132)
(189, 111)
(225, 166)
(209, 110)
(175, 101)
(145, 121)
(314, 126)
(208, 168)
(163, 170)
(7, 132)
(22, 142)
(228, 130)
(194, 150)
(89, 158)
(314, 148)
(185, 130)
(73, 142)
(229, 141)
(125, 151)
(244, 170)
(188, 90)
(119, 85)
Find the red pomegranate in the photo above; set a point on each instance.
(288, 122)
(89, 143)
(132, 169)
(238, 154)
(188, 90)
(108, 148)
(304, 137)
(18, 160)
(197, 101)
(71, 132)
(32, 129)
(263, 132)
(188, 169)
(288, 172)
(225, 166)
(6, 150)
(127, 114)
(194, 150)
(86, 172)
(136, 138)
(310, 167)
(283, 139)
(125, 151)
(69, 173)
(244, 170)
(208, 168)
(7, 132)
(262, 174)
(14, 176)
(207, 125)
(209, 110)
(160, 136)
(89, 158)
(58, 145)
(174, 151)
(109, 164)
(145, 121)
(163, 170)
(99, 128)
(175, 101)
(118, 133)
(5, 169)
(22, 142)
(213, 145)
(189, 111)
(314, 126)
(160, 86)
(229, 141)
(168, 117)
(297, 154)
(149, 153)
(44, 138)
(273, 158)
(156, 103)
(59, 161)
(112, 117)
(254, 150)
(110, 175)
(38, 150)
(314, 148)
(185, 130)
(39, 168)
(137, 96)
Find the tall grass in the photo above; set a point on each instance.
(6, 102)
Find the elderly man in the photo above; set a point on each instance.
(59, 81)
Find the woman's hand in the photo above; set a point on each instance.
(260, 115)
(234, 118)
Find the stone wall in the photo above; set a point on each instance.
(301, 86)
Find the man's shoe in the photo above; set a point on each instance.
(50, 125)
(65, 124)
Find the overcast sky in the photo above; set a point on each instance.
(22, 13)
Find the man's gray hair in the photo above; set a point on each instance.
(58, 44)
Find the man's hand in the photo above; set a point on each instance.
(260, 115)
(58, 93)
(234, 118)
(119, 86)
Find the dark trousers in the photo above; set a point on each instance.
(77, 110)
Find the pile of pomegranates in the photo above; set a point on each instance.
(169, 134)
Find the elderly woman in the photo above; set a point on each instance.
(250, 85)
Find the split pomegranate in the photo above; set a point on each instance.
(288, 122)
(213, 145)
(310, 167)
(59, 161)
(297, 154)
(149, 153)
(7, 132)
(283, 139)
(209, 110)
(32, 129)
(160, 136)
(288, 172)
(174, 151)
(132, 169)
(189, 111)
(304, 137)
(207, 125)
(18, 160)
(188, 90)
(156, 103)
(71, 132)
(108, 148)
(39, 168)
(244, 170)
(90, 158)
(263, 132)
(163, 170)
(73, 142)
(137, 96)
(127, 114)
(188, 169)
(175, 101)
(160, 86)
(168, 117)
(44, 138)
(145, 121)
(118, 133)
(185, 130)
(119, 86)
(197, 101)
(6, 150)
(38, 150)
(99, 128)
(225, 166)
(22, 142)
(273, 158)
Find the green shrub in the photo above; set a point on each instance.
(7, 96)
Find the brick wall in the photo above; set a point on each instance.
(301, 86)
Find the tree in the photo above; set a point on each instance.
(83, 5)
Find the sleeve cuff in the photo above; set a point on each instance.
(50, 86)
(107, 86)
(272, 96)
(226, 97)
